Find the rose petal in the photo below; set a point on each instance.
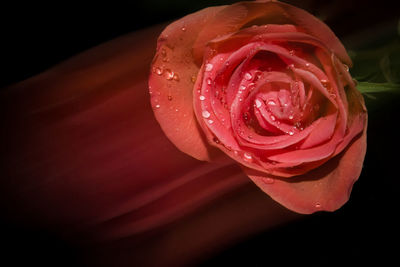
(171, 82)
(241, 14)
(325, 188)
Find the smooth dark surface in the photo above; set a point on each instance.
(38, 36)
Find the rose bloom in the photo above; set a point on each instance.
(267, 85)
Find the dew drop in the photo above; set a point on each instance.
(176, 77)
(209, 67)
(269, 180)
(205, 114)
(291, 133)
(248, 76)
(290, 117)
(307, 65)
(216, 140)
(246, 116)
(158, 71)
(176, 110)
(210, 121)
(271, 103)
(193, 79)
(247, 157)
(163, 52)
(157, 106)
(324, 83)
(318, 205)
(183, 28)
(242, 87)
(170, 97)
(258, 103)
(346, 67)
(202, 97)
(272, 117)
(169, 75)
(251, 86)
(209, 81)
(291, 52)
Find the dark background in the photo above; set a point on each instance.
(36, 36)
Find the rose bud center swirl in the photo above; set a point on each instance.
(264, 94)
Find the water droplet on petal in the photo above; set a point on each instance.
(157, 106)
(318, 205)
(246, 116)
(242, 87)
(290, 117)
(176, 77)
(158, 71)
(346, 67)
(210, 121)
(209, 81)
(205, 114)
(216, 140)
(291, 133)
(291, 52)
(258, 103)
(169, 75)
(291, 66)
(324, 83)
(307, 65)
(272, 117)
(247, 157)
(209, 67)
(271, 103)
(269, 180)
(193, 79)
(202, 97)
(170, 97)
(248, 76)
(183, 28)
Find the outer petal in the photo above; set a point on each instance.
(325, 188)
(171, 84)
(244, 14)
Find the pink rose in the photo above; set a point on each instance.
(268, 85)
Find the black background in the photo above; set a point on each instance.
(36, 36)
